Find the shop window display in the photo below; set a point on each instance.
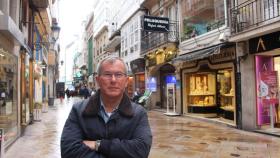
(225, 81)
(202, 94)
(8, 99)
(140, 82)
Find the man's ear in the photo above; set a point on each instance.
(127, 79)
(97, 80)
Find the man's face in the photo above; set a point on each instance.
(112, 80)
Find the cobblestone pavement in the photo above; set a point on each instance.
(174, 137)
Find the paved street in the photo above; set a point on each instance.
(174, 137)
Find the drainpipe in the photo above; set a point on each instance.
(238, 87)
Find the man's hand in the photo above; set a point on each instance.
(90, 144)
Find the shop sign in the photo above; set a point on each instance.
(156, 24)
(170, 79)
(188, 64)
(264, 43)
(152, 84)
(226, 54)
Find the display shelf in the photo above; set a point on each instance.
(202, 105)
(227, 95)
(201, 94)
(228, 108)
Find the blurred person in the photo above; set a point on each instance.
(136, 95)
(107, 124)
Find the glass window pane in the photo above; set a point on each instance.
(201, 16)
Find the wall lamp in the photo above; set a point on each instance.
(55, 32)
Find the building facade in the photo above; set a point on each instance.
(255, 30)
(159, 45)
(25, 27)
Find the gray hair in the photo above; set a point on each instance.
(111, 60)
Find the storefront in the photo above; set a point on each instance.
(159, 69)
(137, 80)
(266, 52)
(208, 85)
(25, 88)
(9, 95)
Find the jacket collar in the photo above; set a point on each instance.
(92, 107)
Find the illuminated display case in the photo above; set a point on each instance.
(201, 91)
(226, 90)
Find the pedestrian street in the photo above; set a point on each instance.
(173, 137)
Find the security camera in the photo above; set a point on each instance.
(223, 37)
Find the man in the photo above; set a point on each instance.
(107, 124)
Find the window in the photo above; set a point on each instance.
(211, 16)
(271, 9)
(136, 36)
(125, 53)
(136, 47)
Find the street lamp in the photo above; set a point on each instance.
(55, 32)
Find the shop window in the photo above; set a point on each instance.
(226, 94)
(201, 94)
(8, 96)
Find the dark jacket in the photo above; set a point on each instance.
(127, 134)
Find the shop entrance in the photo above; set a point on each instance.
(165, 71)
(225, 95)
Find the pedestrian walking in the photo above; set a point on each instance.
(108, 124)
(86, 93)
(67, 91)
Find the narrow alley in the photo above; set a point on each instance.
(175, 137)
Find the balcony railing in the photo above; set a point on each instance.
(151, 40)
(254, 13)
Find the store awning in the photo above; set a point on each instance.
(199, 54)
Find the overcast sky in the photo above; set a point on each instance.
(71, 15)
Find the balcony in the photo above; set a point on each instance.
(254, 13)
(152, 40)
(198, 7)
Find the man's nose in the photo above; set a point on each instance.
(113, 77)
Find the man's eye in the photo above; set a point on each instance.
(118, 75)
(108, 75)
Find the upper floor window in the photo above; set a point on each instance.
(201, 16)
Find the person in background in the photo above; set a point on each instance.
(136, 95)
(67, 91)
(86, 93)
(3, 98)
(108, 124)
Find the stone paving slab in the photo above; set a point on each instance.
(173, 137)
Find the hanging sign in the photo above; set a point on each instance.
(155, 24)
